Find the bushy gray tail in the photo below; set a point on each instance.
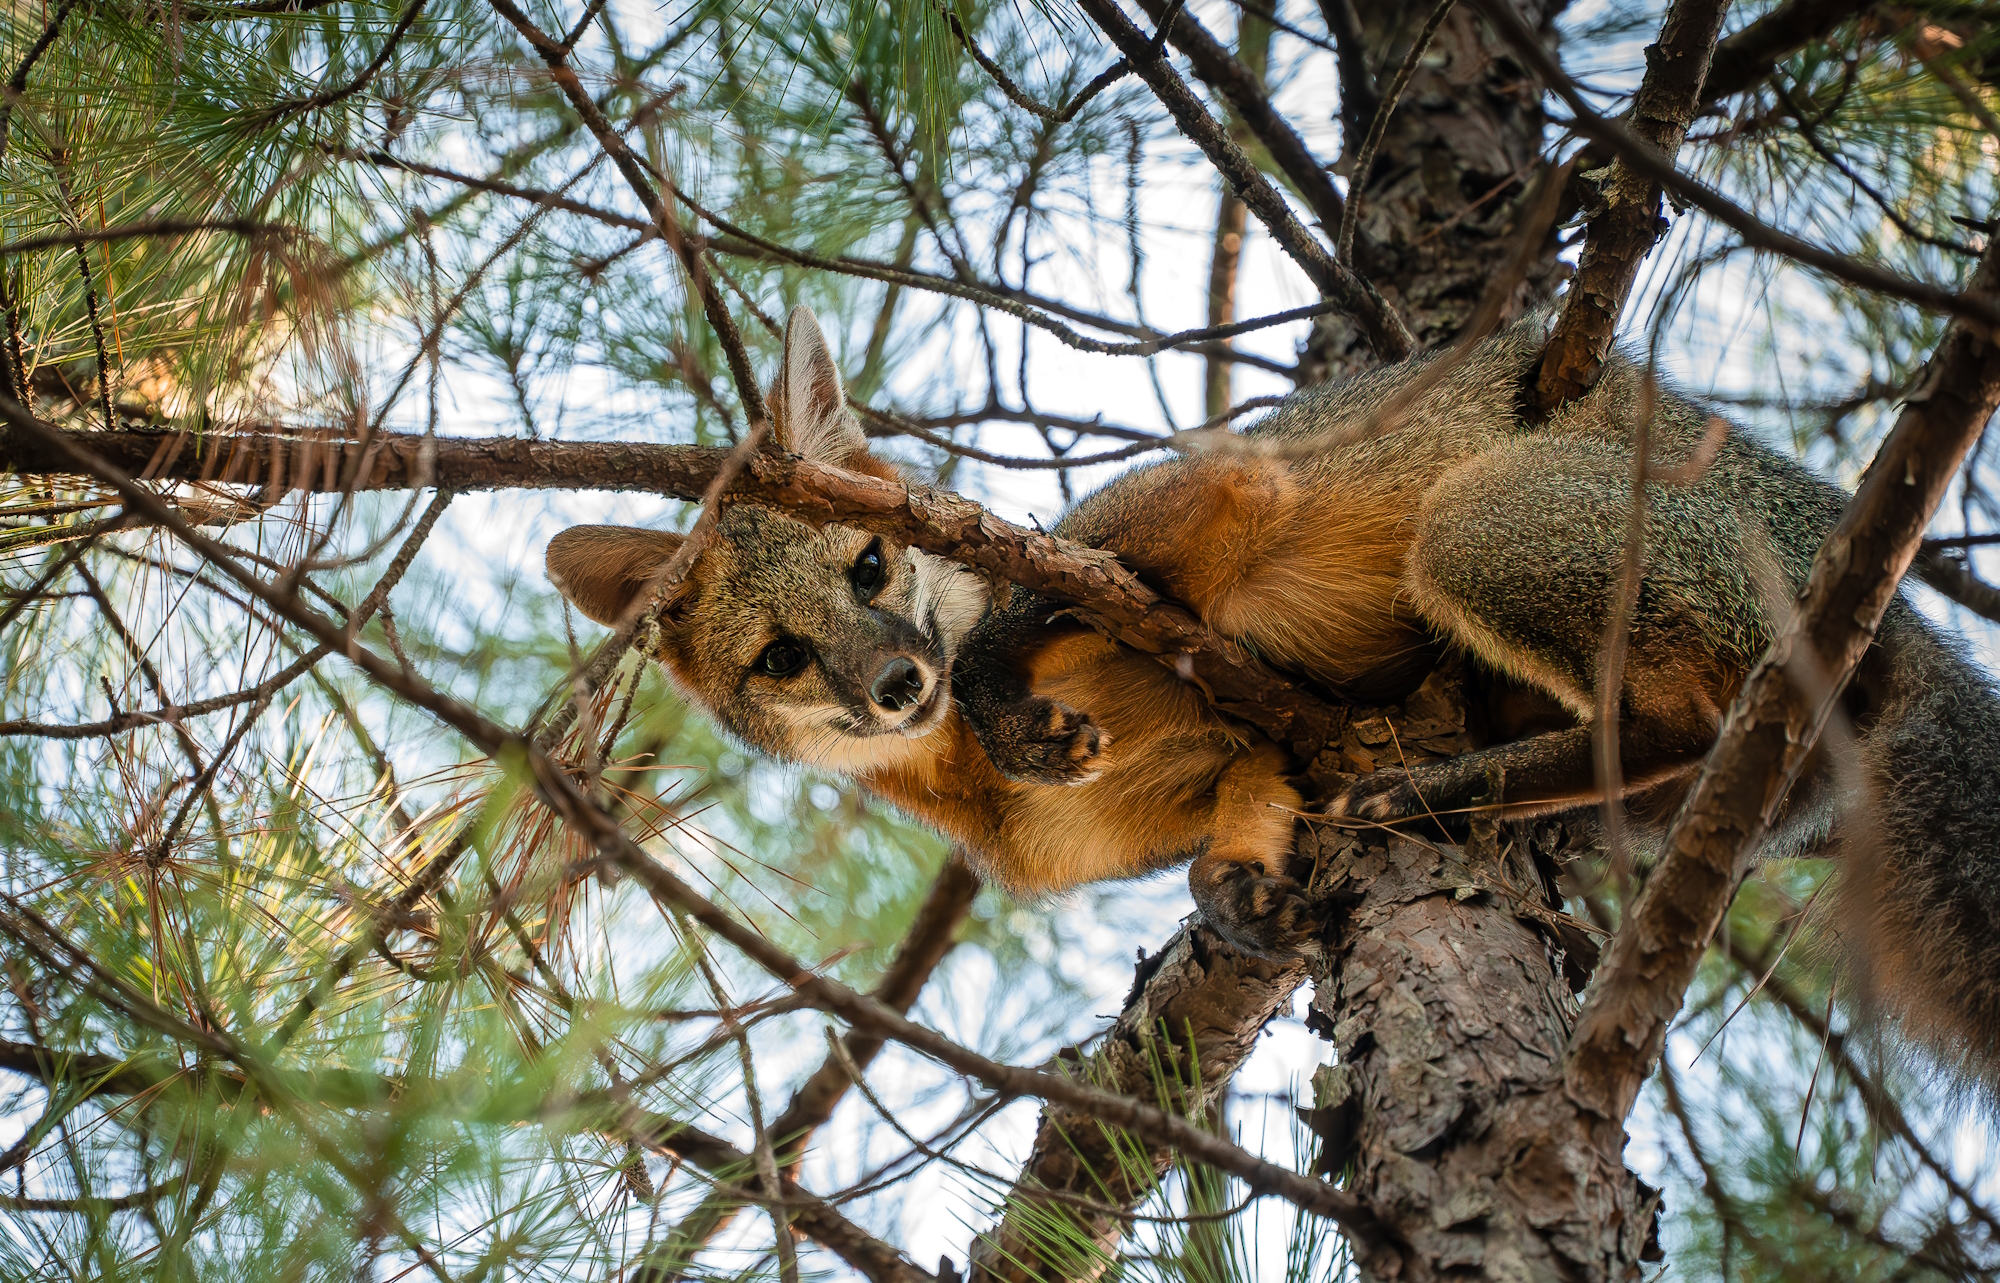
(1921, 886)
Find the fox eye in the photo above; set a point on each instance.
(781, 659)
(869, 569)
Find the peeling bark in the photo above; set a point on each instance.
(1448, 992)
(1445, 1002)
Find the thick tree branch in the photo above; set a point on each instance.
(1386, 332)
(1743, 60)
(1197, 1002)
(1447, 1001)
(1778, 716)
(1628, 223)
(165, 227)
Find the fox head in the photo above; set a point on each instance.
(828, 646)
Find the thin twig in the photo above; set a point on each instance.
(17, 84)
(1809, 130)
(158, 228)
(328, 97)
(603, 833)
(1774, 722)
(1060, 115)
(1386, 332)
(1971, 305)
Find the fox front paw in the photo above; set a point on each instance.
(1052, 743)
(1255, 910)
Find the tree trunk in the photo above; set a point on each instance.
(1445, 191)
(1448, 990)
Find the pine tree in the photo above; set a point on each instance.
(365, 914)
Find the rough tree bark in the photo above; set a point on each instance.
(1447, 186)
(1776, 720)
(1448, 990)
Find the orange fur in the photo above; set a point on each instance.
(1178, 776)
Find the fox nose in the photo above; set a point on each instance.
(899, 685)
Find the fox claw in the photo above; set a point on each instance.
(1061, 745)
(1256, 911)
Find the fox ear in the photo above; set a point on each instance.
(809, 413)
(602, 568)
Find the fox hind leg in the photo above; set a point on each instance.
(1516, 556)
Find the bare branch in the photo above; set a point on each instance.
(1197, 1002)
(1624, 229)
(1953, 578)
(1015, 94)
(1743, 60)
(561, 793)
(1242, 88)
(165, 227)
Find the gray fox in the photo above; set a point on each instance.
(1351, 557)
